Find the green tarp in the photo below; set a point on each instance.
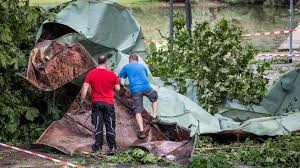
(277, 114)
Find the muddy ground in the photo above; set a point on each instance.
(10, 158)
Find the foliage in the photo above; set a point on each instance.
(215, 58)
(250, 153)
(24, 113)
(273, 60)
(135, 156)
(297, 65)
(279, 2)
(128, 158)
(219, 160)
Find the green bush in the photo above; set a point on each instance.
(215, 58)
(24, 109)
(135, 156)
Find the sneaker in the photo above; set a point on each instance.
(141, 134)
(155, 120)
(113, 150)
(96, 148)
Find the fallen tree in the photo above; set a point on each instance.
(215, 58)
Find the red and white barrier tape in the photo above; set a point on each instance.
(281, 32)
(277, 55)
(42, 156)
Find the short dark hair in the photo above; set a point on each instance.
(134, 56)
(102, 59)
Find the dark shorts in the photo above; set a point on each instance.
(137, 97)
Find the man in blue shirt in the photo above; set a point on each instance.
(137, 74)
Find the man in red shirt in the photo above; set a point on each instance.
(103, 83)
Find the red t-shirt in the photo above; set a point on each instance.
(102, 82)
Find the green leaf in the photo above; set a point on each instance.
(149, 158)
(32, 113)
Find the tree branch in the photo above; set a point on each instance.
(161, 34)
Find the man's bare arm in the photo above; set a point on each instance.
(84, 90)
(117, 87)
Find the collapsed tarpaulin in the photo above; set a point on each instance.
(67, 48)
(67, 29)
(277, 114)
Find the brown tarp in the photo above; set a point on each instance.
(52, 64)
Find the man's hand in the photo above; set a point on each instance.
(84, 90)
(82, 100)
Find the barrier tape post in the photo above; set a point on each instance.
(42, 156)
(291, 33)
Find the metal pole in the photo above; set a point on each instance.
(291, 31)
(171, 24)
(188, 16)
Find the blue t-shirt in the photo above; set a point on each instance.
(137, 74)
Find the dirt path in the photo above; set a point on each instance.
(10, 158)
